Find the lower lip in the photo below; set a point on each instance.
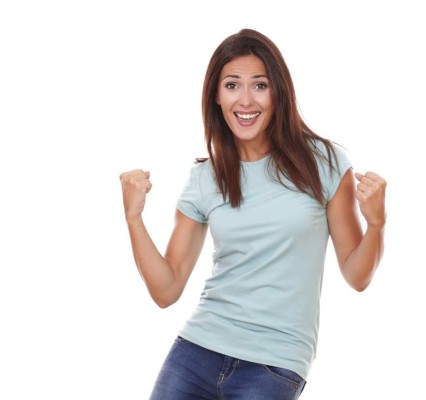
(250, 122)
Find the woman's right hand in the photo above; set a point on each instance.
(135, 185)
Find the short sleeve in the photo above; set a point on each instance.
(341, 164)
(188, 201)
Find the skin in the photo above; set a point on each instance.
(243, 89)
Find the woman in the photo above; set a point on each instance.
(272, 192)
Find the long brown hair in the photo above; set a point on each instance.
(292, 142)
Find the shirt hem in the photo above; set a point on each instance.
(236, 354)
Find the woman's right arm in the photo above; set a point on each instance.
(165, 276)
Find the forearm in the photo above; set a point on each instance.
(359, 267)
(158, 275)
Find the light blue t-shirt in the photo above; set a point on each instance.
(261, 303)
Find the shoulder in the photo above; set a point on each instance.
(333, 154)
(202, 175)
(334, 162)
(201, 169)
(320, 147)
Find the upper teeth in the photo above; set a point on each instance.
(247, 116)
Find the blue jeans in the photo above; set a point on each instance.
(193, 372)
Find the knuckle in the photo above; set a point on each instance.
(135, 182)
(361, 199)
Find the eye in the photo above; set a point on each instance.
(231, 85)
(261, 86)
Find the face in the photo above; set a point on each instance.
(245, 98)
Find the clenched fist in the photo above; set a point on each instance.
(371, 198)
(135, 185)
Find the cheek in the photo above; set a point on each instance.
(221, 98)
(268, 118)
(269, 108)
(225, 102)
(266, 100)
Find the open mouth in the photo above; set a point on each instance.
(247, 117)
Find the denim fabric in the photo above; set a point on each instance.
(193, 372)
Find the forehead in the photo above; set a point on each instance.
(249, 65)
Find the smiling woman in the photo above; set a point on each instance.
(248, 68)
(272, 192)
(246, 102)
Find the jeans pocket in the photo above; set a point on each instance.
(291, 377)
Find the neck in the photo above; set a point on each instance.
(252, 152)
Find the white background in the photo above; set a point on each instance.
(89, 89)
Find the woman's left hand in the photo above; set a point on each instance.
(371, 198)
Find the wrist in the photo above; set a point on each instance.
(377, 225)
(134, 219)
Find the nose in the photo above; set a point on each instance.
(246, 98)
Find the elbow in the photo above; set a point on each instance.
(163, 301)
(360, 286)
(358, 282)
(166, 295)
(163, 304)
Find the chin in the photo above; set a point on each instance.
(247, 136)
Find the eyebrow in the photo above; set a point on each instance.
(239, 77)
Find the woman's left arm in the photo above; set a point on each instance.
(358, 253)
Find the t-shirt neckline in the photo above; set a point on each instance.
(255, 163)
